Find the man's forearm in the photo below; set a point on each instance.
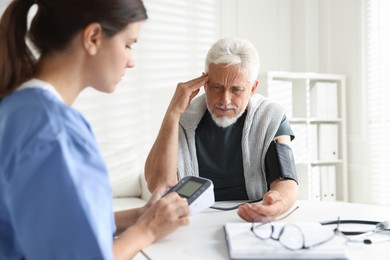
(288, 189)
(161, 163)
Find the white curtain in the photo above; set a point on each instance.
(171, 48)
(377, 74)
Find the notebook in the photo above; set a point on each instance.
(243, 244)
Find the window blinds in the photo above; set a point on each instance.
(171, 48)
(377, 70)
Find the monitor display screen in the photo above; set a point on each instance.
(189, 188)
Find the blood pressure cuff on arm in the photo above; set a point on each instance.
(279, 163)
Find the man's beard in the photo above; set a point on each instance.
(225, 121)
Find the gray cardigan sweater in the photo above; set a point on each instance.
(261, 124)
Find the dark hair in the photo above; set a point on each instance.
(52, 28)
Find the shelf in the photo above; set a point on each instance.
(313, 120)
(318, 163)
(315, 108)
(318, 120)
(287, 75)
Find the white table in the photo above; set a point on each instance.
(204, 238)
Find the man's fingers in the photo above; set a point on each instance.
(194, 93)
(199, 79)
(244, 215)
(258, 212)
(196, 83)
(248, 212)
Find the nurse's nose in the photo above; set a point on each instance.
(130, 61)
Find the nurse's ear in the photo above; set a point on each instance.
(92, 38)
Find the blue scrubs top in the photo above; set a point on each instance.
(55, 195)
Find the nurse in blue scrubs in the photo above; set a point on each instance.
(55, 197)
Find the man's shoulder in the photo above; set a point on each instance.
(198, 103)
(193, 115)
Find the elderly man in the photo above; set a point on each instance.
(229, 135)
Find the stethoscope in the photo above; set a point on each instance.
(378, 227)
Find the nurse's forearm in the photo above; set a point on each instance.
(126, 218)
(131, 242)
(161, 163)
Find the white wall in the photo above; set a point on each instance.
(266, 23)
(345, 56)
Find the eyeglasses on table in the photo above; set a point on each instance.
(290, 236)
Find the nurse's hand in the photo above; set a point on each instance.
(156, 196)
(164, 216)
(158, 218)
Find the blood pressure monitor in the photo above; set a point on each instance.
(198, 191)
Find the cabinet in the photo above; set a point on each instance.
(316, 110)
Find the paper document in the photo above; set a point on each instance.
(243, 244)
